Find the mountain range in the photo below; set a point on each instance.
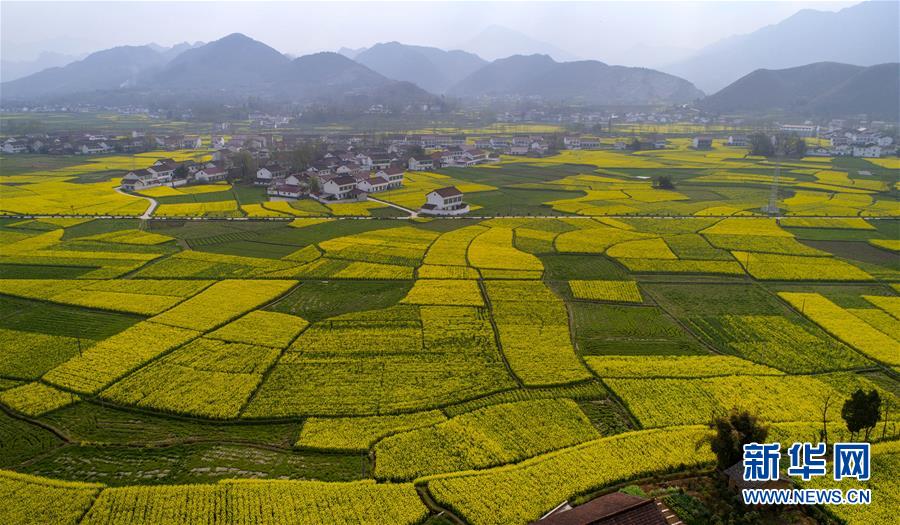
(864, 34)
(813, 63)
(228, 68)
(824, 88)
(430, 68)
(584, 81)
(391, 73)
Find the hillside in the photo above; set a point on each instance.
(824, 88)
(104, 70)
(585, 81)
(234, 62)
(865, 34)
(430, 68)
(228, 68)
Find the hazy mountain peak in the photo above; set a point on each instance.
(581, 81)
(818, 89)
(864, 34)
(497, 41)
(430, 68)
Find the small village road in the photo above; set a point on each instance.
(412, 214)
(150, 209)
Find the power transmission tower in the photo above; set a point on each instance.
(772, 207)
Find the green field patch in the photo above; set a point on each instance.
(98, 424)
(317, 300)
(56, 319)
(23, 441)
(484, 438)
(200, 463)
(602, 329)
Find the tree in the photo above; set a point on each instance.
(761, 144)
(792, 146)
(862, 412)
(635, 144)
(733, 431)
(314, 185)
(415, 151)
(245, 164)
(664, 182)
(823, 434)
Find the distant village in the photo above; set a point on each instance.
(348, 168)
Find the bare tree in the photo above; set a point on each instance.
(824, 434)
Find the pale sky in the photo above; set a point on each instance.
(606, 31)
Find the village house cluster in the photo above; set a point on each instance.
(860, 142)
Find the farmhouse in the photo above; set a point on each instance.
(266, 174)
(735, 476)
(94, 148)
(14, 146)
(212, 174)
(421, 164)
(340, 188)
(872, 151)
(143, 179)
(702, 143)
(802, 130)
(740, 141)
(291, 187)
(444, 201)
(374, 185)
(393, 175)
(617, 508)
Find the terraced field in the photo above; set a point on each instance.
(372, 371)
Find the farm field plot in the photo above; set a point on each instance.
(340, 369)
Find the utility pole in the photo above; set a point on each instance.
(772, 207)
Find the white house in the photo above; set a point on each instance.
(867, 150)
(339, 188)
(393, 175)
(269, 172)
(444, 201)
(143, 179)
(374, 185)
(802, 130)
(211, 174)
(423, 164)
(740, 141)
(702, 143)
(94, 148)
(289, 187)
(14, 146)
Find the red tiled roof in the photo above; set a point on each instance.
(449, 191)
(343, 180)
(613, 509)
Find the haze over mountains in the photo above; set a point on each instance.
(586, 81)
(237, 65)
(864, 34)
(430, 68)
(811, 63)
(230, 67)
(824, 88)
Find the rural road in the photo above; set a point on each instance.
(150, 209)
(412, 213)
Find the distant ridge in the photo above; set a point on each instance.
(864, 34)
(585, 81)
(229, 68)
(430, 68)
(823, 88)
